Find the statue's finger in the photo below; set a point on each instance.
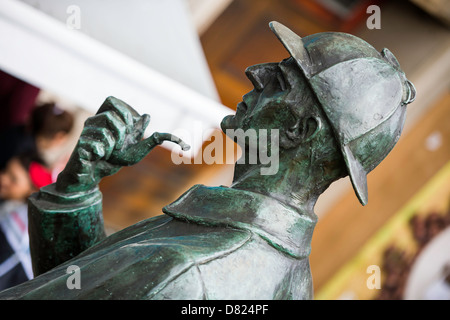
(96, 136)
(112, 121)
(91, 150)
(161, 137)
(126, 112)
(136, 152)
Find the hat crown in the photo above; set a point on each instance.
(362, 92)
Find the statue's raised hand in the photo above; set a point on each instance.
(110, 139)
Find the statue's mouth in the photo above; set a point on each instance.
(242, 107)
(235, 121)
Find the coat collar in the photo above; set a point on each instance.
(282, 226)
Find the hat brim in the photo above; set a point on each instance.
(290, 40)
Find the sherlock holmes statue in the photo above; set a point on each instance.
(339, 106)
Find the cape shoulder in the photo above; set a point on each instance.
(136, 263)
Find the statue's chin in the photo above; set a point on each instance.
(228, 123)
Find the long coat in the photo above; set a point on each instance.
(211, 243)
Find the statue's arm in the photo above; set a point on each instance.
(65, 218)
(61, 226)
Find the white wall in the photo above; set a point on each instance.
(143, 52)
(158, 34)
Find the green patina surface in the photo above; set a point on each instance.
(338, 107)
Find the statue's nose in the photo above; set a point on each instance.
(258, 74)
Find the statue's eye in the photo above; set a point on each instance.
(281, 81)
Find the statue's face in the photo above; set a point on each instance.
(278, 88)
(282, 99)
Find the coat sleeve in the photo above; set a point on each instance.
(62, 225)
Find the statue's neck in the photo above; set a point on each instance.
(294, 185)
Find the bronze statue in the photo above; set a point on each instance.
(339, 107)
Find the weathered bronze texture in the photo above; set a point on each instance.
(339, 108)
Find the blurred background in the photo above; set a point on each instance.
(183, 62)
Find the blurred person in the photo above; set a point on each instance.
(24, 174)
(45, 133)
(17, 100)
(50, 126)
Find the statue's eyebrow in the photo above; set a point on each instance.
(281, 79)
(284, 74)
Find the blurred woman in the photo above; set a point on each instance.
(46, 133)
(23, 175)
